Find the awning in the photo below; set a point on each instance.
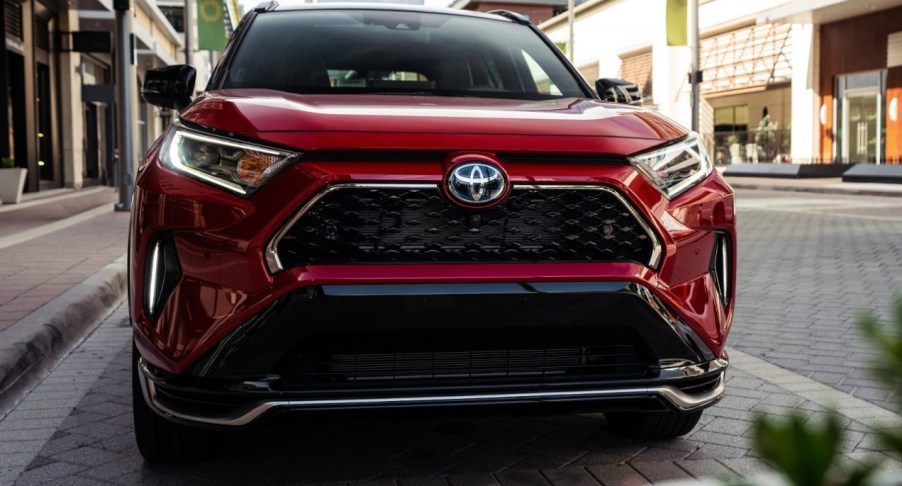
(750, 58)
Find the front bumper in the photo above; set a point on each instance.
(207, 359)
(598, 345)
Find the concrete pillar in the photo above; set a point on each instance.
(805, 96)
(670, 83)
(30, 138)
(71, 107)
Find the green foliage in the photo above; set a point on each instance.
(888, 343)
(562, 45)
(806, 453)
(7, 163)
(887, 368)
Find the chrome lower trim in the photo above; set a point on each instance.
(677, 398)
(275, 265)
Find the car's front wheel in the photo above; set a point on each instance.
(161, 441)
(653, 425)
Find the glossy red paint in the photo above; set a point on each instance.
(261, 110)
(220, 237)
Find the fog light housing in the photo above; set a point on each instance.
(721, 266)
(162, 273)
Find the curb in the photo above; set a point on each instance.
(34, 344)
(819, 190)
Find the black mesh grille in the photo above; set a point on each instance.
(619, 361)
(391, 225)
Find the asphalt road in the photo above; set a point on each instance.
(808, 265)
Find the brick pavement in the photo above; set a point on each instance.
(808, 265)
(31, 214)
(35, 271)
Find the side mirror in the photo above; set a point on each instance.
(618, 91)
(170, 86)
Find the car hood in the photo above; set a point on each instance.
(260, 110)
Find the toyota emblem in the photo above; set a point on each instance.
(476, 184)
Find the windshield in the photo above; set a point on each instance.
(373, 51)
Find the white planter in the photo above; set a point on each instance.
(12, 182)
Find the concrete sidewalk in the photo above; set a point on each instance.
(821, 185)
(62, 271)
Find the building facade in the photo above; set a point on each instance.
(783, 81)
(59, 101)
(537, 11)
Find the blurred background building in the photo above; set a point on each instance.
(814, 81)
(59, 99)
(537, 11)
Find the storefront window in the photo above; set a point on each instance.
(731, 124)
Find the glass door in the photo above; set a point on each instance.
(859, 131)
(862, 128)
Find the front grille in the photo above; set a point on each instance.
(507, 365)
(418, 225)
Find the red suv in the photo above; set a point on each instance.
(389, 206)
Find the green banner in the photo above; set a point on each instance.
(211, 34)
(677, 31)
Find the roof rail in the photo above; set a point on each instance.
(518, 18)
(266, 6)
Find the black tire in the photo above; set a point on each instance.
(161, 441)
(653, 425)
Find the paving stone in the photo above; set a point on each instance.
(747, 466)
(15, 459)
(722, 439)
(717, 451)
(538, 462)
(706, 468)
(80, 417)
(616, 474)
(472, 480)
(66, 441)
(570, 476)
(595, 458)
(86, 456)
(423, 481)
(728, 426)
(47, 473)
(660, 454)
(737, 403)
(10, 447)
(521, 478)
(656, 471)
(115, 469)
(75, 480)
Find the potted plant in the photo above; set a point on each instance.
(12, 181)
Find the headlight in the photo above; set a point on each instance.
(675, 168)
(229, 164)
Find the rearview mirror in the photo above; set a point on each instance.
(170, 86)
(618, 91)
